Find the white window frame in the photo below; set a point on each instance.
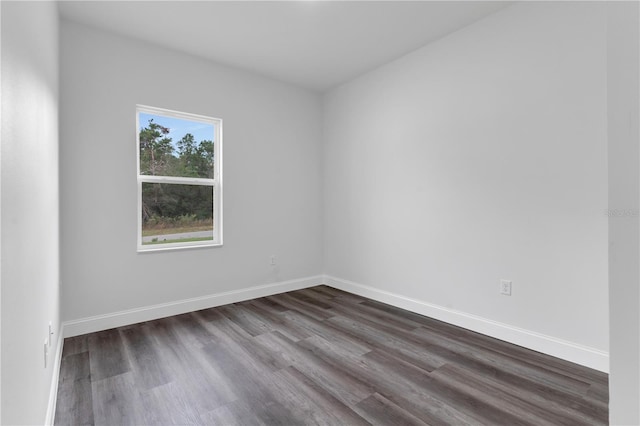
(215, 183)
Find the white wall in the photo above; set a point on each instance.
(272, 202)
(481, 157)
(0, 217)
(623, 73)
(30, 253)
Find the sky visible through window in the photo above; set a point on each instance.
(179, 127)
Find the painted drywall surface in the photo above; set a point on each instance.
(271, 175)
(0, 219)
(477, 158)
(624, 204)
(30, 231)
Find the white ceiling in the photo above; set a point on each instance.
(313, 44)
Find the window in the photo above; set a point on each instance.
(179, 179)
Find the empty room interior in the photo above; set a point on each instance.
(320, 212)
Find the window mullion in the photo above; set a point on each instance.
(175, 179)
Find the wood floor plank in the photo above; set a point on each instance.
(314, 293)
(308, 308)
(247, 379)
(107, 355)
(378, 410)
(169, 404)
(527, 403)
(534, 359)
(479, 361)
(243, 345)
(271, 304)
(317, 356)
(474, 402)
(75, 367)
(75, 345)
(378, 316)
(245, 319)
(191, 329)
(336, 410)
(237, 413)
(74, 402)
(497, 345)
(339, 294)
(394, 310)
(308, 402)
(205, 387)
(337, 381)
(599, 393)
(462, 353)
(394, 378)
(278, 322)
(117, 401)
(327, 331)
(144, 357)
(421, 356)
(311, 300)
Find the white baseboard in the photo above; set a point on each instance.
(579, 354)
(148, 313)
(53, 391)
(550, 345)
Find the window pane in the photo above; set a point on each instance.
(173, 213)
(175, 147)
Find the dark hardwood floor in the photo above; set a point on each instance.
(317, 356)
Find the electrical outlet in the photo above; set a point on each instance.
(273, 260)
(505, 287)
